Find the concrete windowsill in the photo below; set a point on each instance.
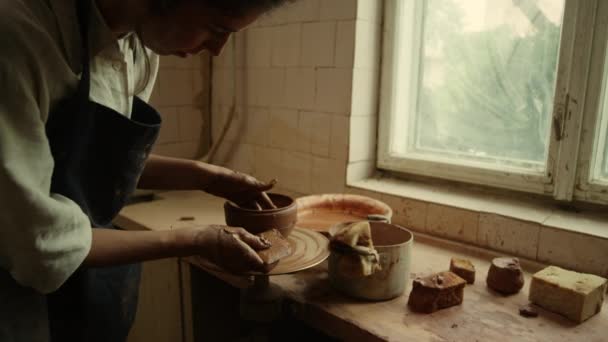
(588, 223)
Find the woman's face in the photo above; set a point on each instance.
(191, 27)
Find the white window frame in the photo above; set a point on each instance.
(580, 68)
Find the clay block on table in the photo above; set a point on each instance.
(577, 296)
(464, 269)
(505, 276)
(435, 292)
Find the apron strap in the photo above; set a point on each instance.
(84, 12)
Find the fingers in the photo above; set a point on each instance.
(267, 202)
(236, 254)
(249, 255)
(255, 242)
(263, 187)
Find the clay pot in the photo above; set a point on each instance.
(257, 221)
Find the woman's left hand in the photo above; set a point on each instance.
(237, 187)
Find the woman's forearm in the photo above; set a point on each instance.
(114, 247)
(166, 173)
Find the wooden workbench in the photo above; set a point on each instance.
(484, 315)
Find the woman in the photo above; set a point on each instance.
(75, 142)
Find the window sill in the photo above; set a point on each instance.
(527, 228)
(547, 214)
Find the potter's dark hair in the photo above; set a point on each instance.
(245, 5)
(235, 7)
(229, 6)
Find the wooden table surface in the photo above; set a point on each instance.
(484, 315)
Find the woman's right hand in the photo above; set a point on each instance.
(228, 247)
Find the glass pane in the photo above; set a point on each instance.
(486, 81)
(600, 159)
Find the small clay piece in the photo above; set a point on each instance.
(505, 276)
(435, 292)
(464, 269)
(280, 249)
(187, 218)
(528, 311)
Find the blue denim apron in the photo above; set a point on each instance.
(99, 156)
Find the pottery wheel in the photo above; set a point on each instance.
(309, 249)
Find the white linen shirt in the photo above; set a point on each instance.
(44, 237)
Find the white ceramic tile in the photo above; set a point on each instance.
(201, 81)
(593, 224)
(338, 9)
(155, 98)
(190, 124)
(452, 223)
(299, 88)
(362, 138)
(169, 132)
(283, 129)
(259, 47)
(219, 113)
(328, 175)
(508, 235)
(270, 87)
(189, 150)
(241, 157)
(305, 132)
(286, 45)
(345, 44)
(574, 251)
(316, 129)
(222, 88)
(176, 87)
(303, 10)
(339, 135)
(359, 170)
(366, 90)
(267, 163)
(236, 128)
(370, 10)
(296, 171)
(254, 79)
(258, 127)
(363, 192)
(318, 44)
(410, 214)
(334, 89)
(367, 45)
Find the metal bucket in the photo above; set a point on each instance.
(394, 244)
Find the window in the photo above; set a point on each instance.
(497, 92)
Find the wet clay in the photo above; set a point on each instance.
(280, 249)
(505, 276)
(436, 292)
(321, 212)
(528, 311)
(256, 221)
(464, 269)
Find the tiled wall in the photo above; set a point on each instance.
(181, 95)
(295, 75)
(307, 89)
